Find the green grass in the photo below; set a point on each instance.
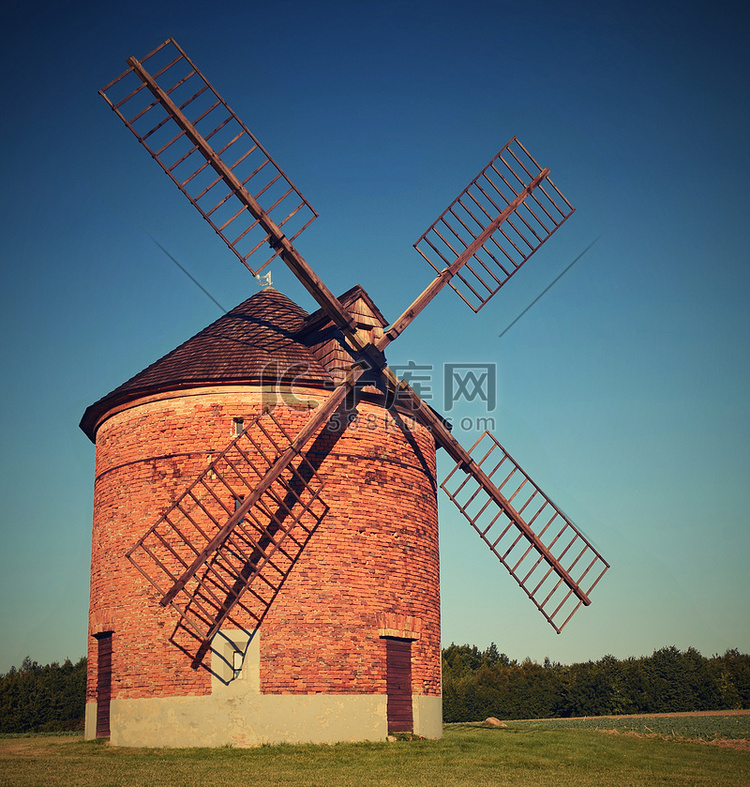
(702, 728)
(526, 753)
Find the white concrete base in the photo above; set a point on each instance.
(89, 725)
(253, 720)
(428, 717)
(237, 714)
(247, 721)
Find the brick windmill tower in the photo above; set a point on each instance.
(265, 548)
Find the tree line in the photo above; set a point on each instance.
(48, 698)
(478, 684)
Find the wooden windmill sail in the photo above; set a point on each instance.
(228, 541)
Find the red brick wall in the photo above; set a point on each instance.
(375, 552)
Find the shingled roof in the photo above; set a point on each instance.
(234, 349)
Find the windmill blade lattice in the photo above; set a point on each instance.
(189, 129)
(530, 536)
(497, 222)
(245, 569)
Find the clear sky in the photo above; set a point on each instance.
(623, 391)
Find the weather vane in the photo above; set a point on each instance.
(263, 280)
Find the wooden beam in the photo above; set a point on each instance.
(319, 417)
(443, 437)
(448, 273)
(309, 279)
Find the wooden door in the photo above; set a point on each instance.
(103, 683)
(398, 684)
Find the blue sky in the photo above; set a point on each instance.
(623, 391)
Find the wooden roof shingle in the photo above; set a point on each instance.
(234, 349)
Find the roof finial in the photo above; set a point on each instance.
(264, 280)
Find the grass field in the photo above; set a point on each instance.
(692, 726)
(570, 752)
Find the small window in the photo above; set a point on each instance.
(238, 425)
(237, 659)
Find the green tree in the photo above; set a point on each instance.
(477, 684)
(46, 698)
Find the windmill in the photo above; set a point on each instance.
(220, 552)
